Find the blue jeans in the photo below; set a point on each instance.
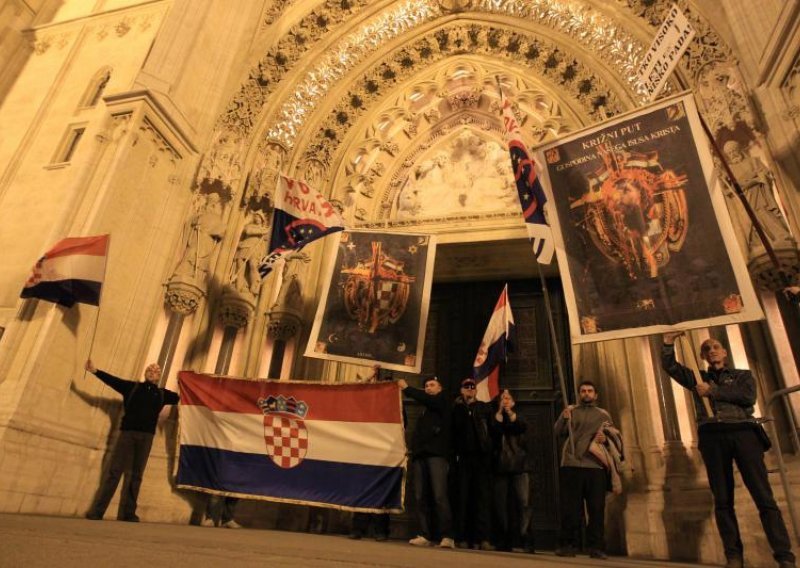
(518, 535)
(430, 492)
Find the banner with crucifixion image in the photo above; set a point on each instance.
(375, 304)
(643, 236)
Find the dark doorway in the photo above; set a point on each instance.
(457, 320)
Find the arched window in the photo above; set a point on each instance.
(96, 88)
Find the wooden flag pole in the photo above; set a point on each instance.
(687, 348)
(99, 303)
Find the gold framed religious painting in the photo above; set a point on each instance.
(643, 236)
(374, 308)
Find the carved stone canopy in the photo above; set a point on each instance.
(769, 277)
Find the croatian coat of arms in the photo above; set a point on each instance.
(285, 432)
(376, 290)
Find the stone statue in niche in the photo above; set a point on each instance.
(251, 250)
(290, 294)
(756, 181)
(203, 232)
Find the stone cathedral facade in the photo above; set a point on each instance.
(166, 122)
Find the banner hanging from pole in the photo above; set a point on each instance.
(643, 236)
(375, 304)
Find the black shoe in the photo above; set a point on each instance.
(380, 537)
(94, 517)
(565, 551)
(598, 554)
(355, 535)
(131, 519)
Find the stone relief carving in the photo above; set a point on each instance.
(467, 173)
(202, 233)
(724, 103)
(223, 162)
(791, 89)
(250, 251)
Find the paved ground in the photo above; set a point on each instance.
(30, 541)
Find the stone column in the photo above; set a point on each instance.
(283, 326)
(182, 297)
(235, 313)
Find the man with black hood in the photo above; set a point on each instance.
(430, 446)
(473, 450)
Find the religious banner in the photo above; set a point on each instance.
(375, 304)
(337, 446)
(644, 240)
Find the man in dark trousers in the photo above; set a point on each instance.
(731, 434)
(473, 450)
(142, 402)
(430, 445)
(581, 477)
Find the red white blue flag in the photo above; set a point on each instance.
(494, 349)
(529, 189)
(302, 215)
(71, 272)
(339, 446)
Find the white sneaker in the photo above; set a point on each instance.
(420, 541)
(447, 543)
(232, 525)
(207, 522)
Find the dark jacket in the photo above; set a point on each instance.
(431, 436)
(509, 445)
(142, 402)
(733, 391)
(471, 427)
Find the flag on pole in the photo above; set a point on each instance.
(529, 189)
(339, 446)
(72, 271)
(302, 215)
(493, 349)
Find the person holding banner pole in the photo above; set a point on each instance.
(730, 434)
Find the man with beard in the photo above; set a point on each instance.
(581, 477)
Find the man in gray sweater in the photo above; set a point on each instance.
(581, 477)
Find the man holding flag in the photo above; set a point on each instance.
(302, 215)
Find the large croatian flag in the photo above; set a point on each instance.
(339, 446)
(70, 272)
(302, 215)
(494, 349)
(532, 199)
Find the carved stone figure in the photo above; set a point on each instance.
(756, 181)
(204, 230)
(249, 253)
(290, 295)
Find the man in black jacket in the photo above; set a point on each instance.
(430, 444)
(473, 449)
(731, 434)
(142, 403)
